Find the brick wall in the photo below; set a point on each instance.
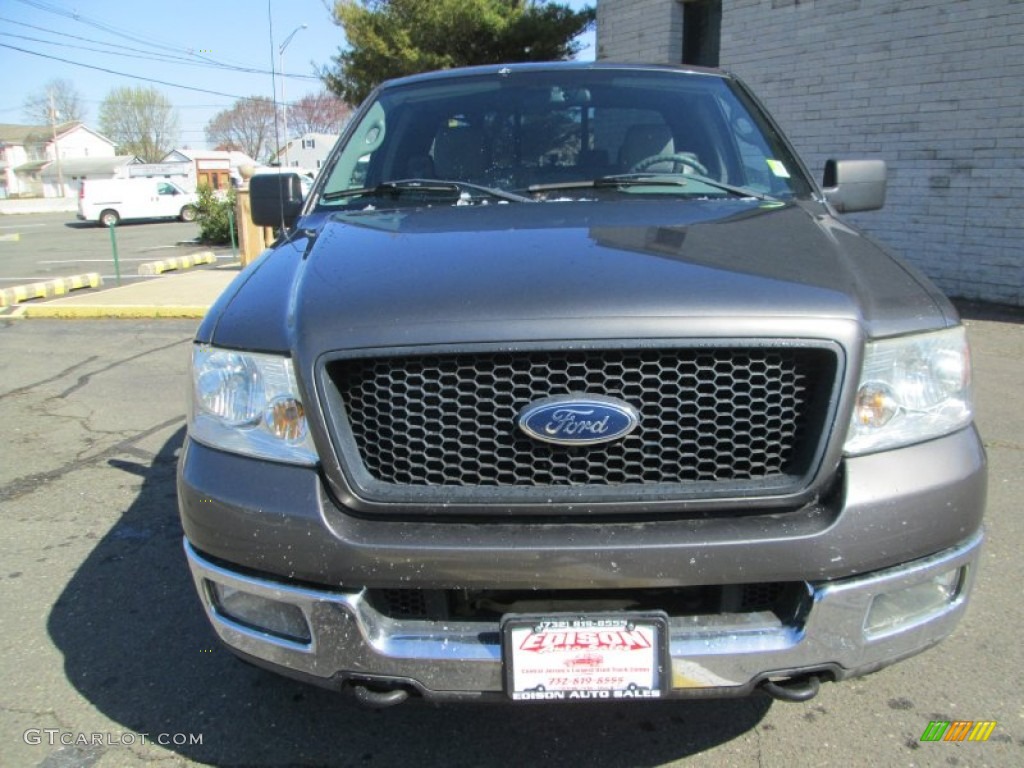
(934, 87)
(650, 31)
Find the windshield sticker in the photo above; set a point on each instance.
(777, 168)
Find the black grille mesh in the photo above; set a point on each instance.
(736, 415)
(437, 604)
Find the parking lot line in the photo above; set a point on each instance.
(82, 261)
(37, 278)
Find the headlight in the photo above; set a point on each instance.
(911, 389)
(248, 403)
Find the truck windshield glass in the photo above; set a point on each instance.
(524, 131)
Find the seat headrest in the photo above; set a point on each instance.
(642, 141)
(459, 153)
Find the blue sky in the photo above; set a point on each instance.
(198, 44)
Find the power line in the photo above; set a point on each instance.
(122, 74)
(149, 55)
(138, 77)
(156, 57)
(77, 37)
(122, 34)
(80, 18)
(220, 105)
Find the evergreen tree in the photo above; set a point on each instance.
(392, 38)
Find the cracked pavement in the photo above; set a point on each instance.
(103, 640)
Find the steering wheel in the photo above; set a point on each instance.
(678, 160)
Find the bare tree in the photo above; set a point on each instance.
(248, 127)
(67, 103)
(321, 112)
(141, 121)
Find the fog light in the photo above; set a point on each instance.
(875, 405)
(273, 616)
(286, 419)
(892, 611)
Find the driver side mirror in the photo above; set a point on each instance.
(855, 185)
(275, 198)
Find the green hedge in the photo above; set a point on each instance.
(216, 214)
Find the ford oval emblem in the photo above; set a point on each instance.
(578, 419)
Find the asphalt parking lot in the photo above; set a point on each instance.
(48, 245)
(108, 661)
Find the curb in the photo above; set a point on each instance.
(179, 262)
(49, 289)
(101, 311)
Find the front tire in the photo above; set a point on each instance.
(110, 218)
(188, 213)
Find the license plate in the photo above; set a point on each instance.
(609, 657)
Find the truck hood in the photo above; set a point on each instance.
(569, 270)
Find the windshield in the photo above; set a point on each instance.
(559, 134)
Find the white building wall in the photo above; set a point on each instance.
(81, 143)
(934, 87)
(11, 157)
(78, 142)
(52, 188)
(14, 155)
(311, 156)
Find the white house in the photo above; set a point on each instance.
(215, 168)
(308, 151)
(75, 170)
(27, 150)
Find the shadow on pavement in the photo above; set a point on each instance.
(79, 224)
(137, 646)
(1000, 313)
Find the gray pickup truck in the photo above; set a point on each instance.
(565, 381)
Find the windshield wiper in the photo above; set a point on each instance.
(620, 180)
(400, 186)
(649, 180)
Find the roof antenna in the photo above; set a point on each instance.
(273, 82)
(277, 134)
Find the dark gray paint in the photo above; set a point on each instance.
(890, 508)
(626, 269)
(442, 275)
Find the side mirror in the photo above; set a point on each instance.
(275, 198)
(855, 185)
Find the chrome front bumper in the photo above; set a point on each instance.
(711, 655)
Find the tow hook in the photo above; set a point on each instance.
(794, 689)
(379, 699)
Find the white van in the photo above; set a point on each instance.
(108, 201)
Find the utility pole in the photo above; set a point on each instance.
(56, 149)
(284, 102)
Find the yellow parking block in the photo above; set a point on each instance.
(179, 262)
(48, 289)
(89, 280)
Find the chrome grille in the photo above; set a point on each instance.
(741, 417)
